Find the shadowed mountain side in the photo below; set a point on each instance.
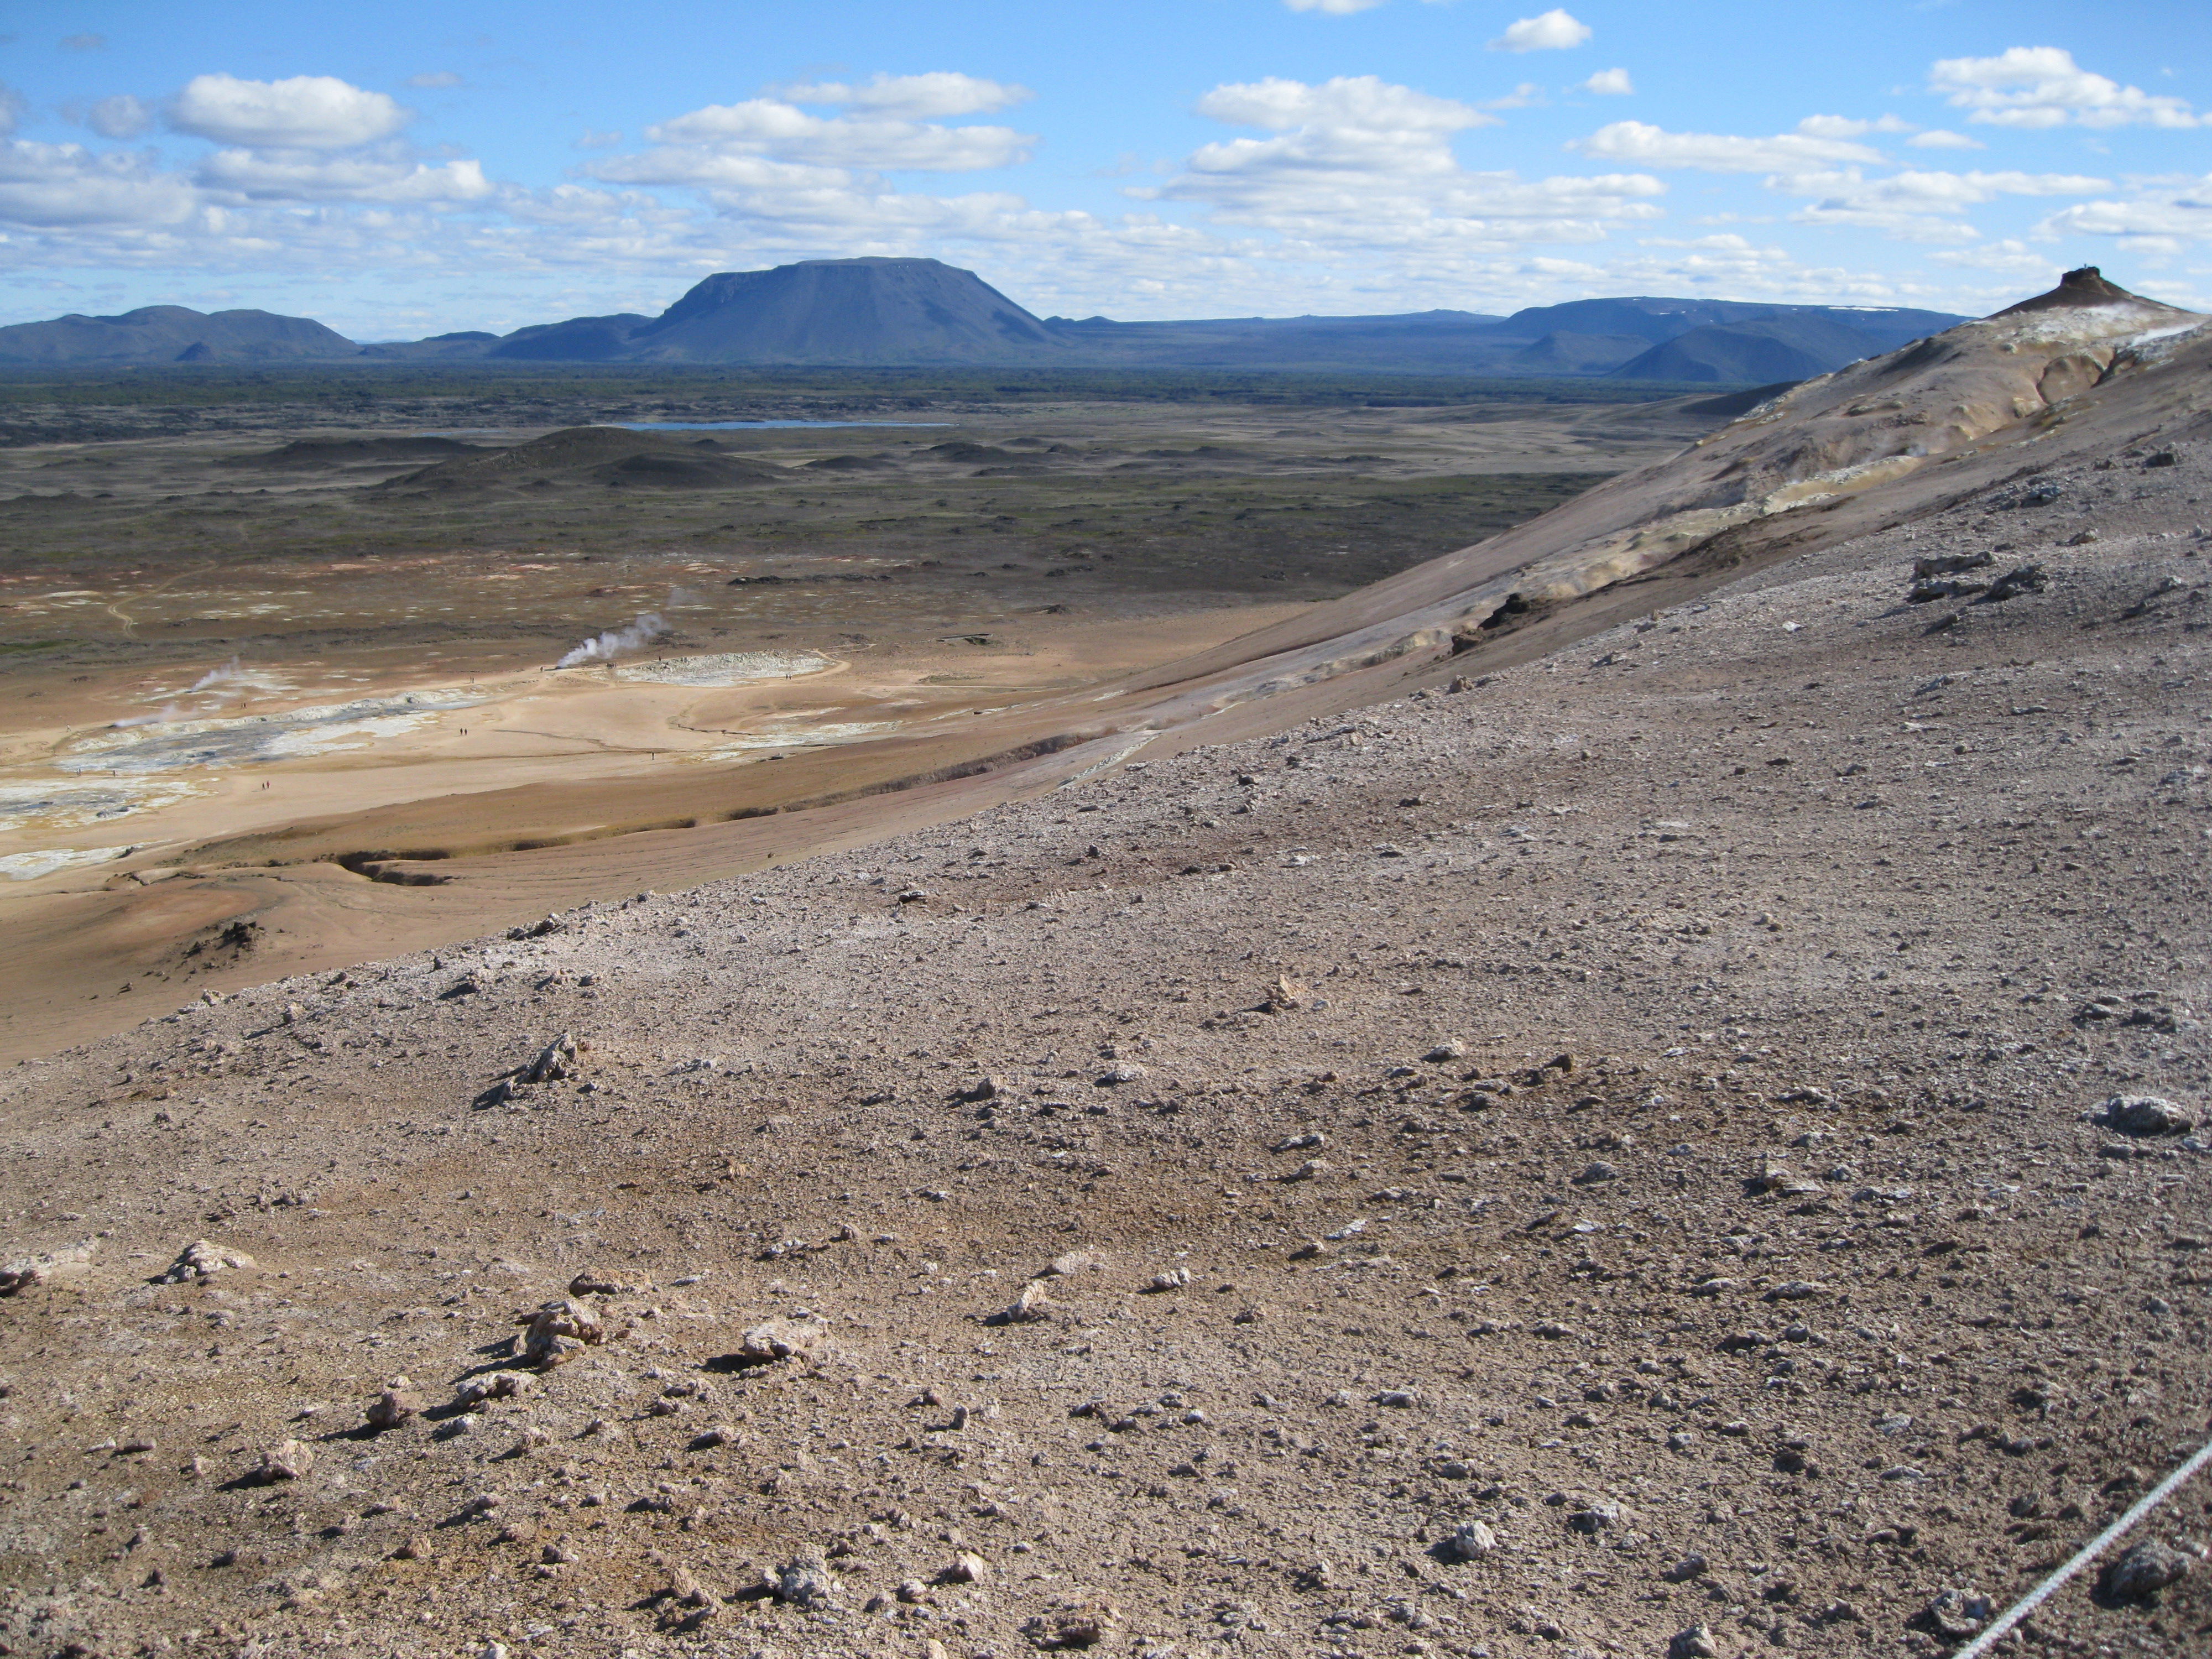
(172, 334)
(1563, 351)
(600, 454)
(1765, 349)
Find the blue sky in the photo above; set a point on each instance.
(406, 168)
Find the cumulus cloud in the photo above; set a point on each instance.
(63, 185)
(1923, 206)
(1358, 159)
(726, 141)
(307, 112)
(2172, 211)
(1645, 145)
(914, 97)
(1610, 83)
(1551, 31)
(306, 176)
(2044, 87)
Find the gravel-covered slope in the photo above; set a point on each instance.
(1638, 1104)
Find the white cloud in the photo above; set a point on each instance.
(2044, 87)
(1916, 205)
(119, 115)
(699, 146)
(1553, 31)
(1846, 126)
(66, 185)
(1610, 83)
(1333, 8)
(305, 176)
(1943, 139)
(1359, 161)
(593, 138)
(1645, 145)
(84, 43)
(434, 80)
(13, 107)
(914, 97)
(2174, 209)
(307, 112)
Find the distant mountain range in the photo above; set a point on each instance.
(911, 313)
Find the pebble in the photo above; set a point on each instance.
(392, 1408)
(965, 1568)
(805, 1582)
(287, 1460)
(1471, 1542)
(1696, 1642)
(782, 1339)
(1031, 1307)
(200, 1261)
(2145, 1114)
(2144, 1571)
(559, 1330)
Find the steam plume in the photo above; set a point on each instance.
(618, 642)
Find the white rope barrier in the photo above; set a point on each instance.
(2088, 1553)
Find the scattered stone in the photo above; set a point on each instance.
(1307, 1170)
(558, 1331)
(722, 1434)
(1698, 1642)
(782, 1339)
(1085, 1624)
(1075, 1261)
(2145, 1114)
(1300, 1143)
(804, 1582)
(200, 1262)
(1690, 1566)
(1031, 1307)
(1472, 1542)
(1445, 1051)
(493, 1385)
(556, 1061)
(1956, 1615)
(392, 1408)
(965, 1568)
(1174, 1279)
(287, 1460)
(1593, 1518)
(2144, 1571)
(591, 1282)
(1126, 1071)
(2026, 579)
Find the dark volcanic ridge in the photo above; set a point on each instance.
(894, 313)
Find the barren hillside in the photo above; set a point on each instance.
(1687, 1142)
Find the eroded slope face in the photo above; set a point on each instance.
(1869, 433)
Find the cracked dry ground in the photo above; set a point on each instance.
(1805, 1293)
